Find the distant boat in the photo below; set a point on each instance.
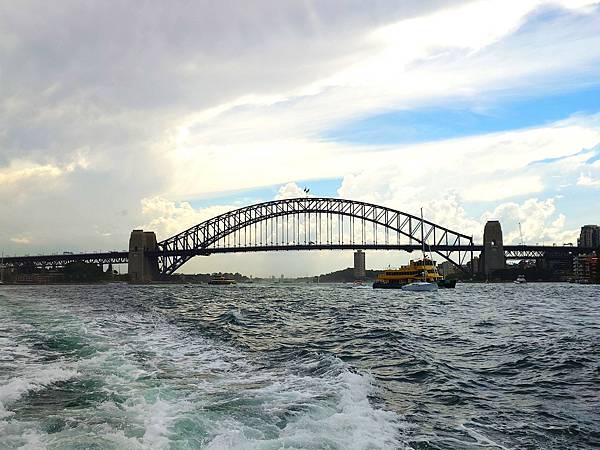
(221, 280)
(421, 270)
(358, 284)
(520, 279)
(421, 275)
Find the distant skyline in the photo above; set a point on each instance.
(122, 115)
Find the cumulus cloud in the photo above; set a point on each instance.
(291, 190)
(540, 222)
(166, 217)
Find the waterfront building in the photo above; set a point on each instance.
(585, 268)
(589, 236)
(359, 264)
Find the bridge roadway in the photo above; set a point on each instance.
(122, 257)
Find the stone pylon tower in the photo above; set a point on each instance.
(359, 264)
(142, 267)
(493, 248)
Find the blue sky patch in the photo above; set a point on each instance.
(465, 119)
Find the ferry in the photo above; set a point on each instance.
(220, 280)
(423, 270)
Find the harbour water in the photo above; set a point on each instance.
(299, 367)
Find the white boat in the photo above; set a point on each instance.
(420, 286)
(520, 279)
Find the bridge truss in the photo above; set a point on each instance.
(311, 224)
(61, 260)
(520, 252)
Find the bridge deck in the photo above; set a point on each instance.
(122, 257)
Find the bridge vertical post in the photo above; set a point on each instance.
(472, 264)
(142, 268)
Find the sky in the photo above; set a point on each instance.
(117, 115)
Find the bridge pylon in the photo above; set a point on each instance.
(142, 267)
(492, 257)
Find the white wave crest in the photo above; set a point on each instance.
(33, 380)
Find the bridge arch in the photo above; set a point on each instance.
(259, 228)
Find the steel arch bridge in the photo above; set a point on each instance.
(312, 223)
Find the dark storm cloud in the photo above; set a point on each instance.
(104, 80)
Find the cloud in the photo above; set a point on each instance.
(22, 240)
(167, 218)
(506, 187)
(23, 171)
(540, 222)
(587, 181)
(290, 190)
(284, 131)
(483, 168)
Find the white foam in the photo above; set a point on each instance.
(199, 378)
(157, 422)
(482, 440)
(348, 422)
(35, 379)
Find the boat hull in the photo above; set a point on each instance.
(447, 284)
(443, 284)
(420, 287)
(382, 285)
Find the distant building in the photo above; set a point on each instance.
(475, 265)
(359, 264)
(585, 268)
(447, 268)
(589, 236)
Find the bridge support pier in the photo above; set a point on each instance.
(492, 257)
(142, 268)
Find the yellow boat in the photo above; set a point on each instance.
(424, 270)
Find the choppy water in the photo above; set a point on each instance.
(299, 366)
